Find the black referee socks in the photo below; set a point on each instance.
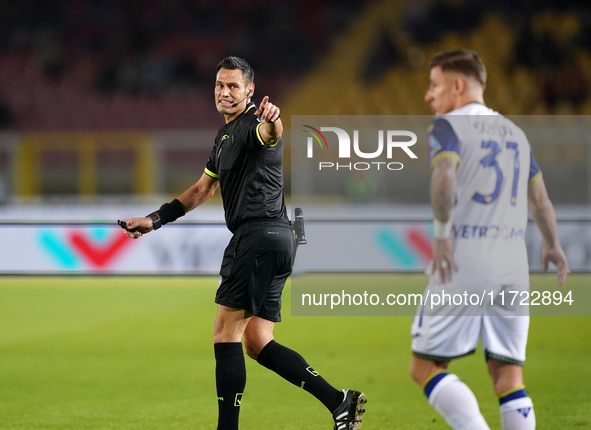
(230, 380)
(291, 366)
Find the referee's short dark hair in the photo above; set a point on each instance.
(464, 61)
(233, 63)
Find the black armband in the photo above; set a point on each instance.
(169, 212)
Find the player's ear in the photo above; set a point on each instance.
(459, 85)
(250, 89)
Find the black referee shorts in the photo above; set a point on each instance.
(256, 264)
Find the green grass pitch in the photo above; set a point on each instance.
(109, 353)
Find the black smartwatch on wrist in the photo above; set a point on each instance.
(156, 219)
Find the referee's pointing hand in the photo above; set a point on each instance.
(267, 111)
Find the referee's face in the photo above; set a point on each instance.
(230, 89)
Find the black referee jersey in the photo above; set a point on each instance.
(250, 172)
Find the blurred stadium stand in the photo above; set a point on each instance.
(112, 64)
(538, 56)
(104, 65)
(78, 76)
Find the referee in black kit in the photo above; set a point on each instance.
(247, 163)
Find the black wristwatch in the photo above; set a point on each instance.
(157, 221)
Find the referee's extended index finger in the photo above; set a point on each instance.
(262, 106)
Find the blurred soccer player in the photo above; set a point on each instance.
(246, 162)
(483, 178)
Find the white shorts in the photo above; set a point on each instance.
(443, 332)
